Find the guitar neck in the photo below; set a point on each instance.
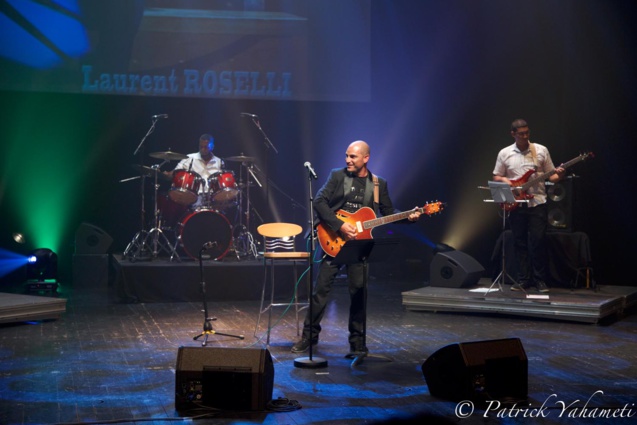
(548, 174)
(370, 224)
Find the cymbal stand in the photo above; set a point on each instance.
(244, 237)
(137, 248)
(207, 326)
(156, 232)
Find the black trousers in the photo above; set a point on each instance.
(528, 226)
(320, 297)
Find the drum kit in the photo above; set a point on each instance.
(195, 211)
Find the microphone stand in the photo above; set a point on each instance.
(137, 247)
(268, 145)
(311, 362)
(207, 326)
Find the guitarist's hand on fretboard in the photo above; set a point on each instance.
(415, 215)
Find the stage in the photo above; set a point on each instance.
(229, 279)
(589, 305)
(24, 308)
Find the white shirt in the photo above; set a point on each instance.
(513, 164)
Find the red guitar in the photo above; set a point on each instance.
(523, 183)
(365, 220)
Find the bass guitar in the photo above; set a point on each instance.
(365, 220)
(523, 184)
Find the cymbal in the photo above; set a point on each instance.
(240, 158)
(150, 172)
(169, 155)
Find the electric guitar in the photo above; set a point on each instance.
(523, 183)
(365, 220)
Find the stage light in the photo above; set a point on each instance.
(19, 238)
(442, 247)
(42, 264)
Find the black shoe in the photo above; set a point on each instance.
(541, 287)
(302, 346)
(520, 286)
(358, 348)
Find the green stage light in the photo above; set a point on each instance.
(45, 166)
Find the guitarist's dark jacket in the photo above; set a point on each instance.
(331, 197)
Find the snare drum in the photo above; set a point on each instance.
(222, 187)
(185, 187)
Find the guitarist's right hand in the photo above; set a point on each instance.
(348, 231)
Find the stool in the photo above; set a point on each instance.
(278, 242)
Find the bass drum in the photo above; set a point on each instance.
(204, 226)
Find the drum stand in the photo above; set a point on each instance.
(156, 235)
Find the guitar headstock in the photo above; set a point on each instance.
(431, 208)
(587, 155)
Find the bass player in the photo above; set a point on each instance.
(529, 220)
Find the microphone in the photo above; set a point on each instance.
(245, 114)
(310, 169)
(160, 116)
(209, 245)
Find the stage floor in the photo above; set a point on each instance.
(110, 361)
(579, 304)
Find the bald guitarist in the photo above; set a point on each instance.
(529, 220)
(348, 189)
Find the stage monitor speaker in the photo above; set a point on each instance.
(223, 378)
(479, 371)
(454, 269)
(91, 240)
(559, 198)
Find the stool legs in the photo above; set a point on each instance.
(263, 308)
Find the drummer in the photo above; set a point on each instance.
(204, 162)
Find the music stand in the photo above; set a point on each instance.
(365, 251)
(502, 193)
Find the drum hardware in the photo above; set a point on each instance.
(241, 158)
(168, 155)
(244, 241)
(138, 248)
(201, 226)
(149, 171)
(156, 235)
(185, 187)
(222, 190)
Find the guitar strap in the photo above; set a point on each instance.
(376, 184)
(533, 154)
